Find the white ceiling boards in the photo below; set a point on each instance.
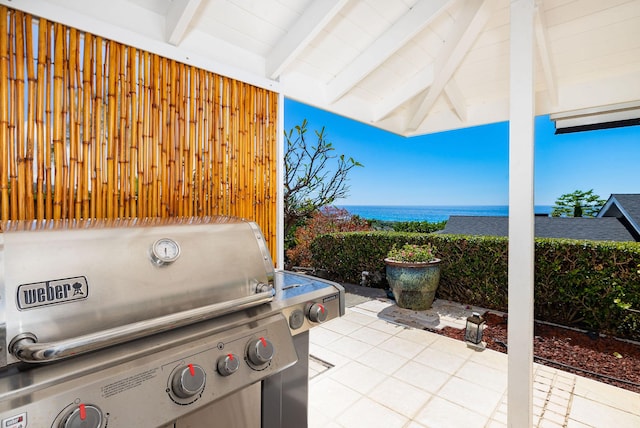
(408, 66)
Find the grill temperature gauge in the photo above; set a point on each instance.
(165, 251)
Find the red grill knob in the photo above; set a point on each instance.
(317, 313)
(83, 416)
(228, 364)
(188, 381)
(260, 351)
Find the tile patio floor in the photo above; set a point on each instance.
(368, 372)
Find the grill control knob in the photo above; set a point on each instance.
(83, 416)
(260, 351)
(317, 313)
(228, 364)
(188, 381)
(296, 319)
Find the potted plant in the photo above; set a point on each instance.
(413, 273)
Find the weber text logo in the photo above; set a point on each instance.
(52, 292)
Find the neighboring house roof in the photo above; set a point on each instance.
(597, 229)
(626, 207)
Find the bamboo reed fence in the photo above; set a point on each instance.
(91, 128)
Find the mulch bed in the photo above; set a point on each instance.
(605, 359)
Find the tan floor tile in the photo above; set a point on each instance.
(421, 376)
(558, 418)
(559, 395)
(499, 416)
(488, 377)
(386, 327)
(370, 335)
(601, 415)
(414, 424)
(545, 423)
(323, 336)
(349, 347)
(557, 407)
(367, 413)
(575, 424)
(331, 397)
(544, 371)
(440, 360)
(408, 372)
(540, 396)
(399, 396)
(418, 336)
(607, 394)
(490, 358)
(539, 400)
(327, 355)
(318, 418)
(341, 326)
(384, 361)
(403, 347)
(453, 346)
(542, 387)
(472, 396)
(441, 413)
(375, 306)
(357, 376)
(360, 317)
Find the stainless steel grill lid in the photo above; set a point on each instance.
(60, 281)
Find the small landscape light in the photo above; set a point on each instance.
(473, 332)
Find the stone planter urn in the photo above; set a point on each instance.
(413, 285)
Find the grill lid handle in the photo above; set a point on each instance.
(25, 346)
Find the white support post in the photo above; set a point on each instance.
(280, 185)
(521, 215)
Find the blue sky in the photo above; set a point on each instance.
(471, 166)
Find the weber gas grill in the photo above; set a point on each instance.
(153, 323)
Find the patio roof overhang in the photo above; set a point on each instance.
(411, 67)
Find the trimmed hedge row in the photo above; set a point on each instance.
(587, 284)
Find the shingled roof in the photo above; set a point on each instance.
(626, 208)
(596, 229)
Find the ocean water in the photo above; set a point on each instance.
(431, 213)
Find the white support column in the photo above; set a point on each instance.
(280, 185)
(521, 215)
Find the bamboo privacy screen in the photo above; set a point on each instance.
(90, 128)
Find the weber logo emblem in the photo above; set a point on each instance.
(52, 292)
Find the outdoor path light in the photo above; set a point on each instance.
(473, 332)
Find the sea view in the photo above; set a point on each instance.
(431, 213)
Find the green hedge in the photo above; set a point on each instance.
(587, 284)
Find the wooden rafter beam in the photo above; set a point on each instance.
(314, 19)
(467, 28)
(402, 31)
(544, 52)
(178, 18)
(412, 87)
(456, 100)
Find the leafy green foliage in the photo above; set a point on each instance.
(325, 220)
(412, 253)
(586, 284)
(578, 204)
(418, 226)
(314, 176)
(408, 226)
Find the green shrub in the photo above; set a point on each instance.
(587, 284)
(418, 226)
(326, 220)
(408, 226)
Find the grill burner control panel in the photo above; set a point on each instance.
(154, 389)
